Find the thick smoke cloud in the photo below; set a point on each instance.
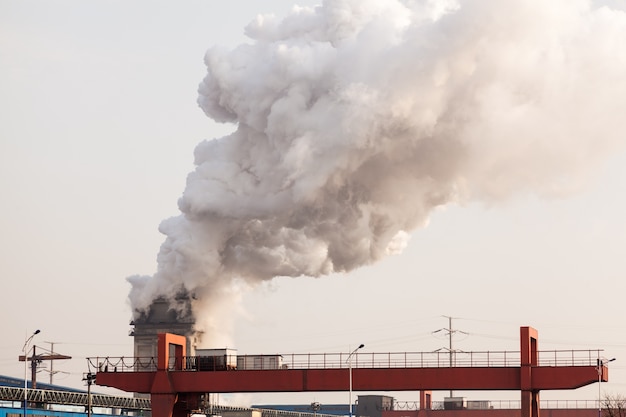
(355, 119)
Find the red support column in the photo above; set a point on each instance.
(426, 400)
(164, 341)
(529, 359)
(163, 395)
(163, 404)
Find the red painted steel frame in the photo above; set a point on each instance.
(174, 390)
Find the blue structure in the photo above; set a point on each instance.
(12, 412)
(8, 381)
(12, 408)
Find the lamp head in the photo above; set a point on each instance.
(37, 332)
(361, 346)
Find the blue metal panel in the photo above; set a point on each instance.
(19, 412)
(8, 381)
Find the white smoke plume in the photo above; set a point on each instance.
(355, 119)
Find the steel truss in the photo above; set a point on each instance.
(74, 398)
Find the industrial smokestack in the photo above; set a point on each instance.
(353, 120)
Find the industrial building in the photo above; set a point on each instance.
(161, 318)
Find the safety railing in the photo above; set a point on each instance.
(122, 364)
(488, 359)
(502, 404)
(438, 359)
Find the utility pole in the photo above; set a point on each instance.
(450, 331)
(35, 359)
(90, 378)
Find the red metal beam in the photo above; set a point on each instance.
(363, 379)
(565, 377)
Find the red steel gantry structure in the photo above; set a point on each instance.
(175, 389)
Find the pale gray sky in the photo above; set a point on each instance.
(98, 124)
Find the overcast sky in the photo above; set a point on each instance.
(98, 124)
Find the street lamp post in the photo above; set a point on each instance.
(26, 349)
(601, 363)
(350, 372)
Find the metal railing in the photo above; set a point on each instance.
(504, 404)
(488, 359)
